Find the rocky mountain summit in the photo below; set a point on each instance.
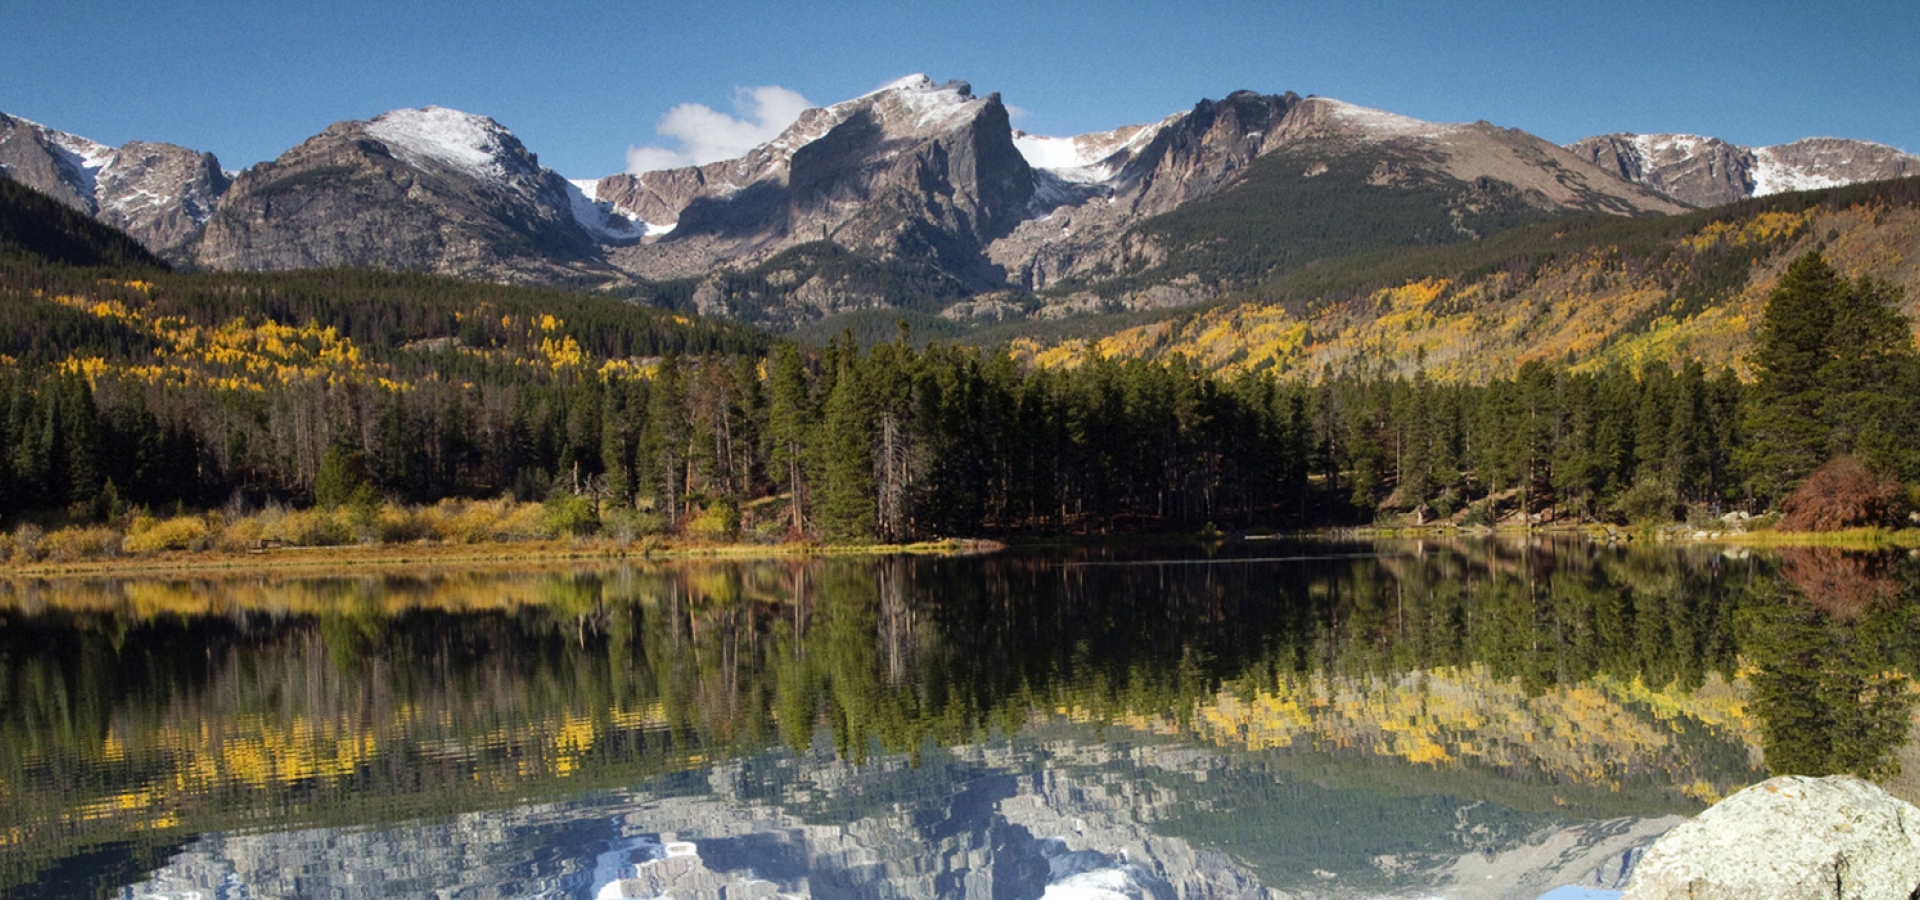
(919, 195)
(428, 189)
(161, 194)
(1707, 171)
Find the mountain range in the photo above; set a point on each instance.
(918, 197)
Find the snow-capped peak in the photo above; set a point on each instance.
(918, 81)
(463, 140)
(1379, 123)
(916, 103)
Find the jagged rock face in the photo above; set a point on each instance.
(427, 190)
(1707, 171)
(914, 169)
(161, 194)
(35, 156)
(1696, 171)
(1117, 178)
(1792, 838)
(1085, 228)
(1820, 162)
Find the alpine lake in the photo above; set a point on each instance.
(1248, 719)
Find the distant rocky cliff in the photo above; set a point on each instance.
(1707, 171)
(430, 190)
(161, 194)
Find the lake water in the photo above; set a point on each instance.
(1242, 721)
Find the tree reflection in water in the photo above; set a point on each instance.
(1833, 638)
(1551, 675)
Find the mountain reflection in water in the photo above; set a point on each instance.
(1472, 719)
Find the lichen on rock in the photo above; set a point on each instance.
(1790, 837)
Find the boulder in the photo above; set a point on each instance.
(1790, 837)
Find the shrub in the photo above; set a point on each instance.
(177, 533)
(626, 525)
(400, 525)
(26, 542)
(242, 533)
(77, 543)
(1648, 502)
(1843, 493)
(312, 528)
(720, 521)
(567, 514)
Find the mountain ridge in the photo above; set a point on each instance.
(927, 186)
(1708, 171)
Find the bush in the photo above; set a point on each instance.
(627, 525)
(177, 533)
(241, 533)
(312, 528)
(71, 544)
(400, 525)
(720, 521)
(566, 514)
(1648, 502)
(1843, 493)
(25, 544)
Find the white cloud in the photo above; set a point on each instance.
(707, 135)
(1016, 113)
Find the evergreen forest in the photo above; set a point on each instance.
(130, 392)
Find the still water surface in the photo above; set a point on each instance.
(1250, 720)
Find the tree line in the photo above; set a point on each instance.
(898, 442)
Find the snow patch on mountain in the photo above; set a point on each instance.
(916, 105)
(81, 160)
(471, 143)
(1667, 147)
(1811, 164)
(1088, 158)
(1378, 123)
(604, 220)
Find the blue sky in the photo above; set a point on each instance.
(583, 83)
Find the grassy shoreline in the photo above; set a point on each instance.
(576, 551)
(1761, 538)
(467, 557)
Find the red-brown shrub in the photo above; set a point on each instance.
(1843, 493)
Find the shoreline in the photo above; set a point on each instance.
(342, 558)
(1847, 539)
(520, 554)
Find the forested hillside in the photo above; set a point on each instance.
(1588, 293)
(130, 393)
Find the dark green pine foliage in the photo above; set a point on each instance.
(843, 461)
(790, 425)
(1834, 365)
(1787, 436)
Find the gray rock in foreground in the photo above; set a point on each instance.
(1790, 837)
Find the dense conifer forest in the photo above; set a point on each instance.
(130, 391)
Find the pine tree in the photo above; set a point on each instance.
(1787, 437)
(844, 459)
(790, 422)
